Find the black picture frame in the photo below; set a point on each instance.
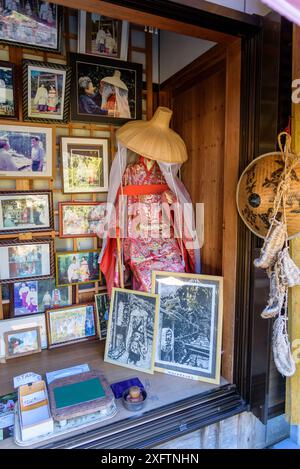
(37, 45)
(64, 71)
(25, 194)
(15, 115)
(84, 65)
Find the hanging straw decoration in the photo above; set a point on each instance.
(281, 269)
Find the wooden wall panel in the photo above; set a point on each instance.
(199, 117)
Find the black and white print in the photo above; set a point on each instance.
(131, 329)
(189, 325)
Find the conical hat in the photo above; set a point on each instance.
(154, 139)
(256, 193)
(115, 80)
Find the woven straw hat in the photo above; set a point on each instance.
(115, 80)
(154, 139)
(256, 192)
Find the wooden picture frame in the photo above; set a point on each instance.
(46, 92)
(15, 212)
(88, 219)
(63, 329)
(26, 151)
(84, 163)
(79, 271)
(16, 335)
(8, 110)
(31, 297)
(34, 31)
(33, 263)
(189, 344)
(101, 45)
(98, 81)
(124, 346)
(102, 302)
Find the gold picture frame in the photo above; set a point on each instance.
(16, 335)
(124, 345)
(74, 254)
(189, 344)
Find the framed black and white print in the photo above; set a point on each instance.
(108, 90)
(26, 211)
(131, 329)
(8, 95)
(103, 36)
(189, 329)
(31, 23)
(102, 308)
(46, 92)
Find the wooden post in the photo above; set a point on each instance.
(293, 383)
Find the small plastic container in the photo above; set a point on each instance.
(131, 405)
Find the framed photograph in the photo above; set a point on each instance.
(107, 90)
(102, 35)
(75, 323)
(46, 91)
(5, 293)
(81, 219)
(73, 268)
(26, 211)
(22, 342)
(189, 325)
(8, 96)
(25, 152)
(36, 296)
(35, 24)
(84, 165)
(16, 324)
(26, 260)
(131, 329)
(102, 308)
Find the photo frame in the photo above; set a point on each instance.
(26, 211)
(9, 108)
(131, 329)
(31, 297)
(102, 36)
(24, 322)
(102, 308)
(81, 219)
(46, 92)
(73, 268)
(26, 152)
(189, 344)
(32, 25)
(108, 90)
(22, 342)
(32, 259)
(84, 165)
(70, 325)
(6, 294)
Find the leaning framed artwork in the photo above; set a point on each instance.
(103, 36)
(69, 325)
(22, 342)
(102, 307)
(81, 219)
(131, 329)
(22, 211)
(46, 91)
(84, 165)
(78, 267)
(32, 24)
(8, 95)
(108, 90)
(189, 325)
(26, 260)
(26, 151)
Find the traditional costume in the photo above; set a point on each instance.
(145, 247)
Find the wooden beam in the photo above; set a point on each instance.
(149, 75)
(293, 383)
(230, 216)
(131, 15)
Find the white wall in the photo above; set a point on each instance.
(177, 51)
